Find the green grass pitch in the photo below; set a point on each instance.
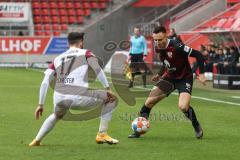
(167, 139)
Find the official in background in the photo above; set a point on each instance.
(137, 55)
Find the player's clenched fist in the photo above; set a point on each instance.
(110, 97)
(38, 111)
(202, 79)
(156, 78)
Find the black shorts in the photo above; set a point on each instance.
(137, 64)
(182, 85)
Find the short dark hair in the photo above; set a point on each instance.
(159, 29)
(75, 37)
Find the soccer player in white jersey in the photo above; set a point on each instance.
(69, 74)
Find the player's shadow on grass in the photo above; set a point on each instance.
(168, 139)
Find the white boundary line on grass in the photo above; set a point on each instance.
(203, 98)
(35, 70)
(236, 97)
(194, 97)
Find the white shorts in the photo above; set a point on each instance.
(87, 101)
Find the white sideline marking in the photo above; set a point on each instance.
(215, 100)
(202, 98)
(19, 86)
(236, 97)
(36, 70)
(194, 97)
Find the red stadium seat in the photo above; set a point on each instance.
(61, 5)
(53, 12)
(36, 12)
(63, 12)
(78, 5)
(64, 27)
(55, 19)
(86, 5)
(80, 12)
(54, 16)
(44, 5)
(56, 33)
(69, 5)
(46, 19)
(44, 12)
(80, 19)
(94, 5)
(102, 5)
(56, 27)
(47, 27)
(71, 12)
(37, 19)
(36, 5)
(53, 5)
(72, 20)
(63, 19)
(38, 27)
(40, 33)
(106, 1)
(48, 33)
(87, 12)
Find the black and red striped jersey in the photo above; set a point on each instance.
(175, 60)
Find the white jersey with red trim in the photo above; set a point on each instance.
(72, 67)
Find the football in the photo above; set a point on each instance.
(140, 125)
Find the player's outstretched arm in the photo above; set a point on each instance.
(49, 75)
(200, 61)
(193, 53)
(157, 77)
(93, 63)
(38, 111)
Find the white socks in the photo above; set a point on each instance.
(50, 122)
(47, 126)
(106, 116)
(103, 127)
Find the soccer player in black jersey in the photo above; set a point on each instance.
(175, 73)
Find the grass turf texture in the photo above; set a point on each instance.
(167, 138)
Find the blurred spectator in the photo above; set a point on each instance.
(220, 63)
(211, 59)
(173, 35)
(202, 48)
(20, 33)
(230, 65)
(225, 58)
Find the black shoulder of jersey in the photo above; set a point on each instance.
(176, 43)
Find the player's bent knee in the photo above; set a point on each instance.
(59, 115)
(183, 107)
(150, 102)
(115, 100)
